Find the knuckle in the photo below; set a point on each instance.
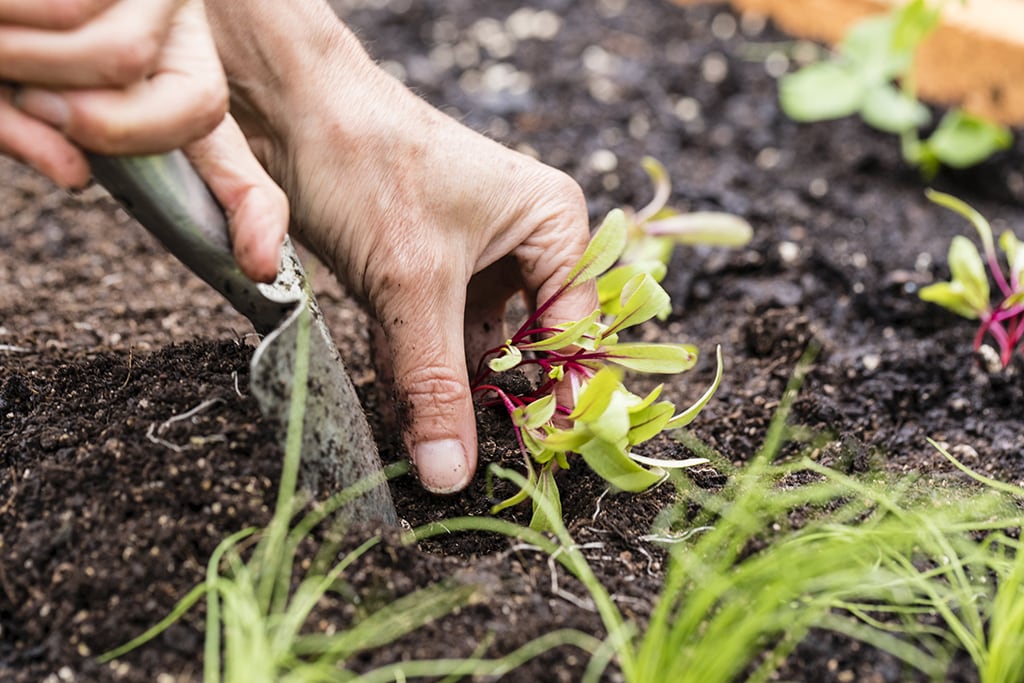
(211, 105)
(131, 59)
(433, 392)
(70, 14)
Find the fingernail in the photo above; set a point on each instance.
(44, 105)
(442, 466)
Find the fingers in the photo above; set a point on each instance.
(183, 100)
(256, 208)
(50, 14)
(423, 325)
(548, 255)
(40, 146)
(114, 44)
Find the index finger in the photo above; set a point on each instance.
(56, 15)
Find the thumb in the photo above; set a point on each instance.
(425, 338)
(256, 208)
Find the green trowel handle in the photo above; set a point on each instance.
(166, 195)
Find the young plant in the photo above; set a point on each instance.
(654, 231)
(968, 292)
(872, 75)
(258, 610)
(581, 364)
(902, 566)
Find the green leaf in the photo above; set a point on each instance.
(949, 295)
(1014, 250)
(655, 358)
(649, 422)
(967, 211)
(713, 228)
(612, 464)
(567, 440)
(609, 285)
(604, 249)
(968, 270)
(646, 400)
(642, 299)
(869, 49)
(535, 414)
(1013, 300)
(963, 140)
(547, 489)
(820, 92)
(687, 416)
(596, 395)
(510, 358)
(662, 189)
(912, 24)
(889, 109)
(570, 334)
(613, 424)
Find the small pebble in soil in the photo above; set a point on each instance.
(776, 64)
(687, 109)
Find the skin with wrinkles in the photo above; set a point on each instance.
(433, 226)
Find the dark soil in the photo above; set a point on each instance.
(108, 513)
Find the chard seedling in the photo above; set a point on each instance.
(654, 231)
(872, 75)
(968, 292)
(580, 405)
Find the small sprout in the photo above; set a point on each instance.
(581, 406)
(651, 234)
(872, 75)
(968, 292)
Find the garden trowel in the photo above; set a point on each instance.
(166, 195)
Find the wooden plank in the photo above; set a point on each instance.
(974, 59)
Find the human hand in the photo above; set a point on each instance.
(120, 77)
(430, 224)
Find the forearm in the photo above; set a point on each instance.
(279, 58)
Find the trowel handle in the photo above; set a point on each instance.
(166, 195)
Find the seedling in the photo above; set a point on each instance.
(580, 405)
(872, 75)
(968, 292)
(654, 231)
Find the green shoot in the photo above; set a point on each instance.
(603, 421)
(872, 75)
(968, 292)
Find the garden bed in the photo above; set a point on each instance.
(106, 519)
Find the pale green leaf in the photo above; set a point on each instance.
(668, 464)
(510, 358)
(1014, 299)
(961, 207)
(605, 247)
(869, 49)
(595, 395)
(613, 424)
(642, 299)
(1014, 250)
(567, 440)
(547, 489)
(646, 400)
(968, 269)
(668, 359)
(535, 414)
(963, 140)
(713, 228)
(612, 464)
(820, 92)
(912, 23)
(649, 422)
(609, 285)
(662, 189)
(570, 334)
(687, 416)
(949, 295)
(889, 109)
